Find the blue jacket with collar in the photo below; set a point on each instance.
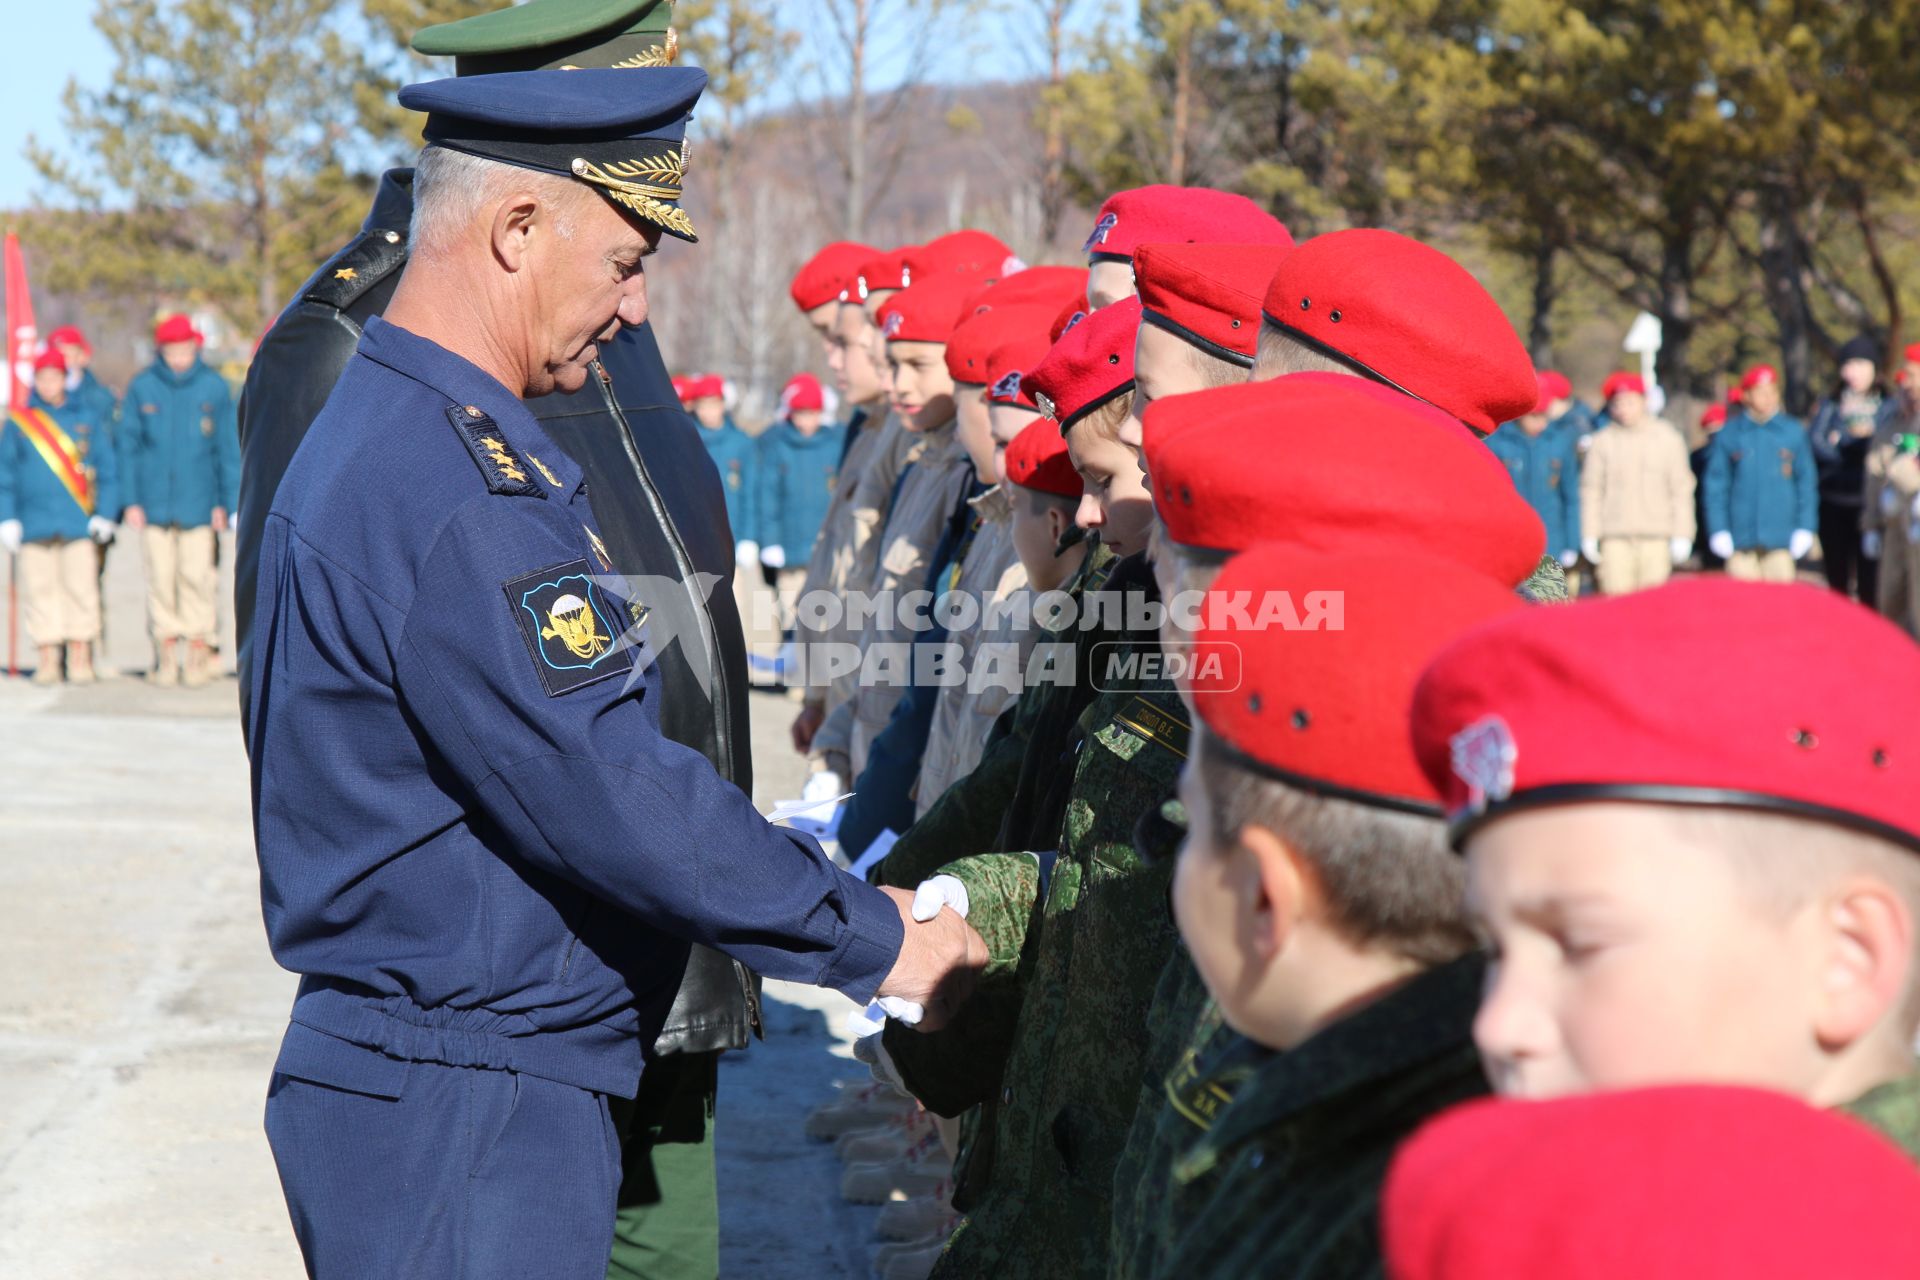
(1546, 470)
(736, 454)
(476, 846)
(31, 493)
(1760, 483)
(180, 445)
(796, 475)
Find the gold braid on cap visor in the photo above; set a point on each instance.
(643, 185)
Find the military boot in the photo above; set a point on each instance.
(166, 669)
(921, 1171)
(914, 1219)
(868, 1108)
(48, 672)
(199, 664)
(79, 663)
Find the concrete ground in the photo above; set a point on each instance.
(141, 1011)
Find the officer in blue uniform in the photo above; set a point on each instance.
(1545, 466)
(478, 850)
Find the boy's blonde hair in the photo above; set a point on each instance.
(1278, 355)
(1389, 878)
(1104, 422)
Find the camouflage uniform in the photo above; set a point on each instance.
(1894, 1109)
(1296, 1161)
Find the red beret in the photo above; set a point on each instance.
(50, 359)
(1072, 312)
(175, 328)
(928, 310)
(973, 253)
(1311, 681)
(680, 384)
(70, 336)
(1046, 287)
(1007, 367)
(1713, 415)
(1913, 354)
(1329, 461)
(1618, 382)
(1689, 1182)
(1758, 375)
(1037, 459)
(975, 337)
(1091, 364)
(707, 384)
(828, 273)
(1179, 215)
(1706, 691)
(1408, 315)
(1554, 385)
(881, 272)
(1207, 294)
(801, 393)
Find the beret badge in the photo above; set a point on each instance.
(1483, 757)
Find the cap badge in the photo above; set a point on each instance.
(894, 322)
(1008, 388)
(642, 185)
(1483, 757)
(1047, 405)
(1072, 320)
(1101, 230)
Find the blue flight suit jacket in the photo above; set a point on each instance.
(31, 493)
(795, 477)
(476, 847)
(736, 454)
(1546, 470)
(1760, 484)
(180, 443)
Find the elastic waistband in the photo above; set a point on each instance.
(597, 1056)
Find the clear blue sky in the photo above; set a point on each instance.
(59, 43)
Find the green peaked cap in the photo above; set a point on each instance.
(551, 34)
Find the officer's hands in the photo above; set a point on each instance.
(101, 529)
(941, 891)
(940, 961)
(773, 557)
(1799, 542)
(1721, 544)
(746, 553)
(219, 519)
(1590, 548)
(11, 533)
(1870, 544)
(805, 725)
(1679, 549)
(134, 518)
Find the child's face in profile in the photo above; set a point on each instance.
(1625, 954)
(1116, 501)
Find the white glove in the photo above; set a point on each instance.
(1870, 544)
(824, 785)
(1568, 559)
(1590, 548)
(746, 553)
(941, 891)
(101, 529)
(870, 1050)
(11, 532)
(1721, 544)
(1799, 542)
(1680, 549)
(773, 557)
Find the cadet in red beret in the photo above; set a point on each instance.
(1691, 836)
(1086, 385)
(1680, 1183)
(1168, 215)
(1636, 492)
(1010, 410)
(1760, 489)
(1319, 902)
(973, 341)
(1199, 318)
(818, 286)
(1046, 494)
(1400, 312)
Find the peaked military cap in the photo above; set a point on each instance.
(558, 35)
(624, 135)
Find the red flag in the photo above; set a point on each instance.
(23, 340)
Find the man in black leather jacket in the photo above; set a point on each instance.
(657, 500)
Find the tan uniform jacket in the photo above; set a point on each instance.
(1636, 482)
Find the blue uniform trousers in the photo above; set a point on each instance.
(434, 1172)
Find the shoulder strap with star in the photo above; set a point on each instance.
(505, 470)
(369, 258)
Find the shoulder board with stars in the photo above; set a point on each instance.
(371, 257)
(505, 471)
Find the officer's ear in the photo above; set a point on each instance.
(513, 221)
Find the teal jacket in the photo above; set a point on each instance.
(1546, 470)
(180, 443)
(735, 453)
(1760, 483)
(795, 475)
(33, 494)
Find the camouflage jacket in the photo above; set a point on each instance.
(1894, 1109)
(1296, 1161)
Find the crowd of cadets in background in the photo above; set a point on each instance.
(1270, 919)
(79, 466)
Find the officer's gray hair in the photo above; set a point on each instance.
(1278, 355)
(1389, 878)
(451, 189)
